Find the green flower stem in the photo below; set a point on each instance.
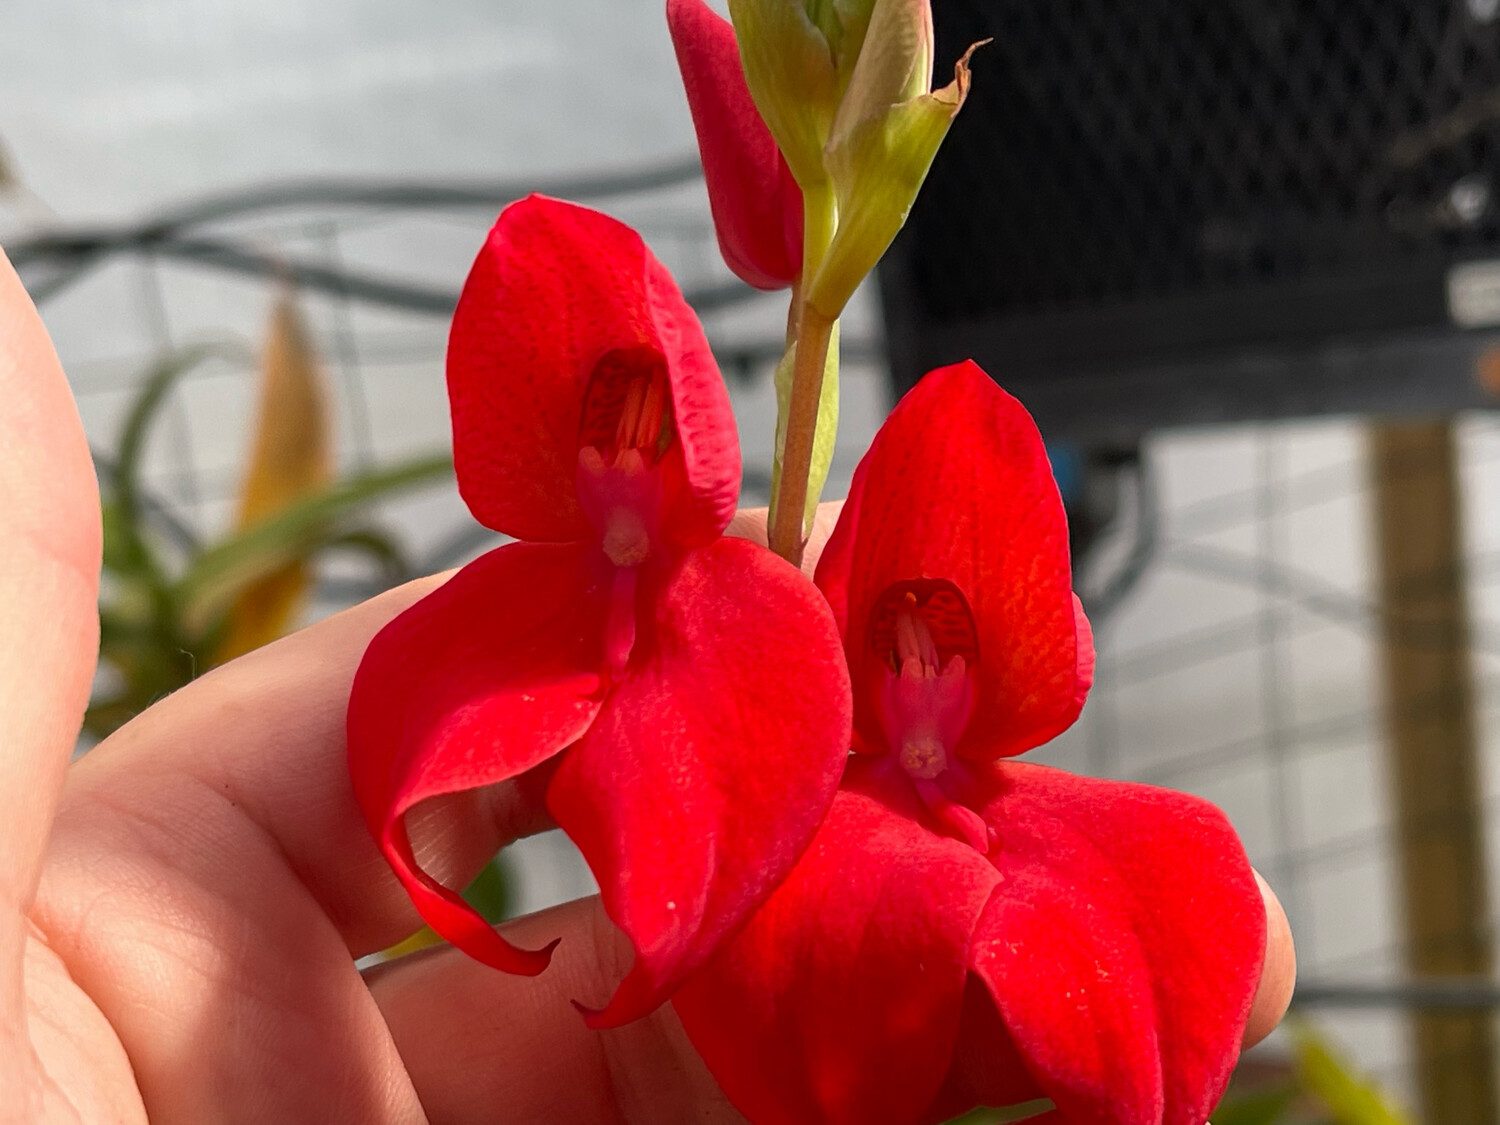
(814, 332)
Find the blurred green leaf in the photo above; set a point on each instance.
(382, 549)
(1259, 1107)
(1330, 1079)
(154, 514)
(490, 893)
(154, 389)
(165, 601)
(127, 549)
(216, 577)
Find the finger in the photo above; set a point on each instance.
(473, 1039)
(254, 751)
(208, 875)
(1278, 976)
(750, 523)
(49, 576)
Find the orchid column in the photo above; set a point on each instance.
(831, 100)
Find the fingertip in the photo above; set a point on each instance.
(1278, 974)
(749, 523)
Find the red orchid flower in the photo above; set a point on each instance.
(685, 688)
(756, 204)
(966, 930)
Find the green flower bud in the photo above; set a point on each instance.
(845, 87)
(894, 64)
(792, 74)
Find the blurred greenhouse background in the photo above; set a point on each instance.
(183, 159)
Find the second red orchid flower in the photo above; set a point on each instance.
(686, 688)
(965, 930)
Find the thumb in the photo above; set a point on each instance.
(49, 623)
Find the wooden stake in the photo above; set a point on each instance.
(1433, 762)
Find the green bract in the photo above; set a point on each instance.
(877, 161)
(845, 86)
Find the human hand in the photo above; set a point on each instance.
(183, 907)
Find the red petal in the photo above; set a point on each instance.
(987, 1069)
(840, 1002)
(554, 289)
(481, 680)
(756, 204)
(1123, 944)
(712, 762)
(836, 563)
(957, 485)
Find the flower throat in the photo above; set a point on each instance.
(628, 406)
(923, 634)
(625, 430)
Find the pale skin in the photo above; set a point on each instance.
(180, 910)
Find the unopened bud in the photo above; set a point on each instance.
(881, 150)
(791, 71)
(894, 64)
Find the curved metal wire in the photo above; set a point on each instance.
(172, 233)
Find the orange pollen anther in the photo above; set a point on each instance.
(645, 417)
(628, 405)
